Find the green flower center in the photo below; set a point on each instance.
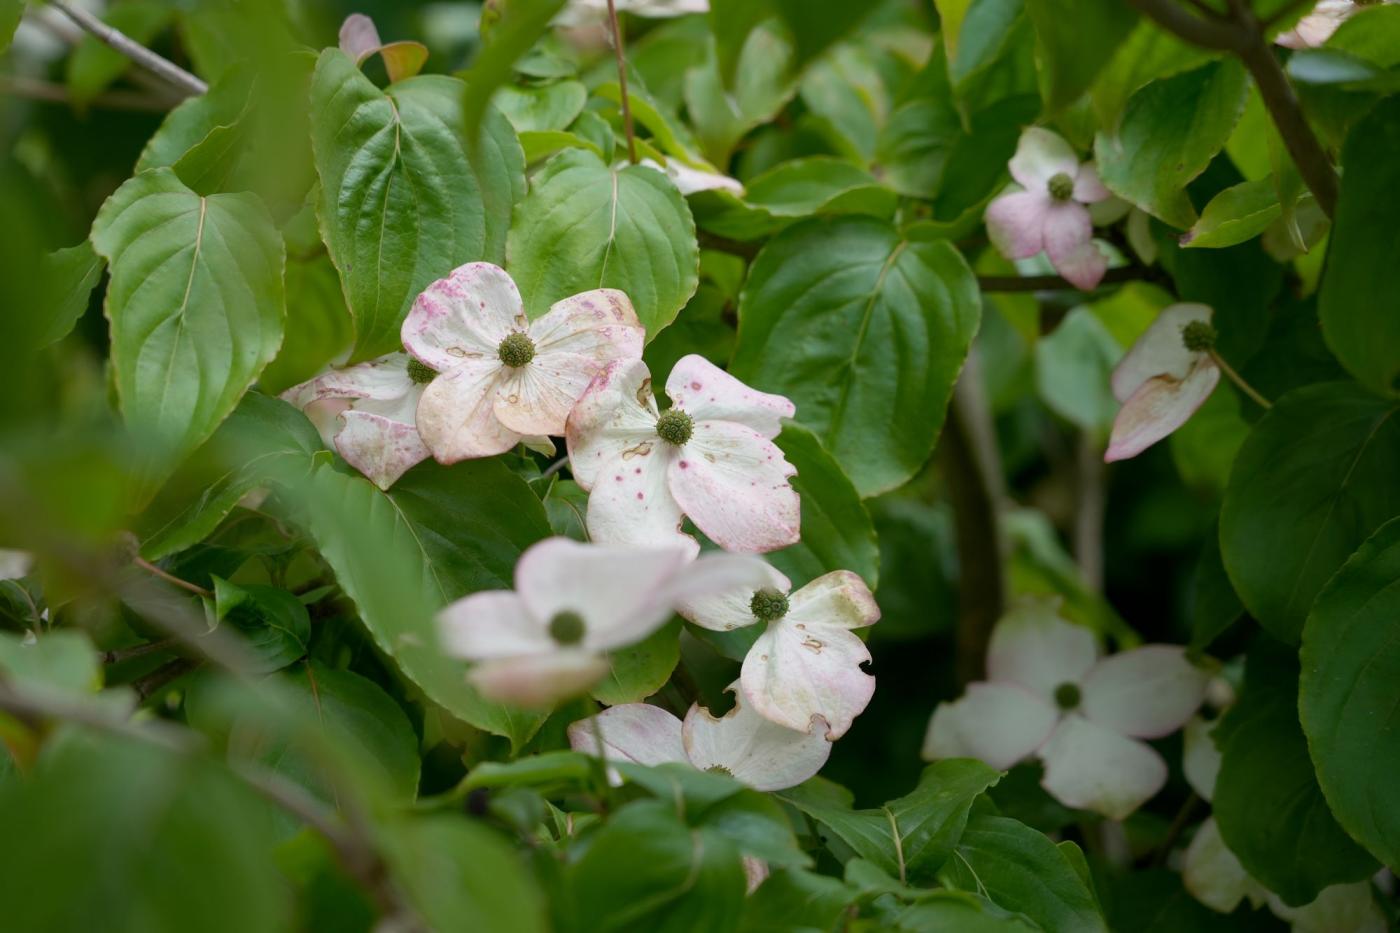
(719, 769)
(516, 350)
(1067, 696)
(1061, 186)
(566, 628)
(768, 605)
(1198, 336)
(674, 426)
(420, 372)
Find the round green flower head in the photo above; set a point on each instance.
(1061, 186)
(1198, 336)
(516, 350)
(566, 628)
(420, 372)
(1067, 696)
(768, 605)
(674, 426)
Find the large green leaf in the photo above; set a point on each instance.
(263, 437)
(1351, 664)
(1268, 804)
(273, 623)
(67, 278)
(400, 204)
(928, 821)
(147, 840)
(813, 25)
(640, 670)
(196, 306)
(765, 84)
(60, 661)
(1170, 131)
(437, 535)
(837, 533)
(1076, 40)
(461, 876)
(585, 225)
(1019, 869)
(319, 328)
(1359, 305)
(866, 333)
(646, 871)
(10, 13)
(1312, 481)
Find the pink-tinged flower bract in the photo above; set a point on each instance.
(710, 456)
(503, 377)
(1049, 694)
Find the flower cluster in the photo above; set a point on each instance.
(1049, 694)
(1048, 210)
(478, 377)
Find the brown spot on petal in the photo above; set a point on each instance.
(814, 644)
(642, 449)
(456, 351)
(644, 392)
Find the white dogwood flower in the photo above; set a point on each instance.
(1161, 382)
(1049, 211)
(741, 743)
(1215, 877)
(807, 663)
(368, 413)
(709, 456)
(689, 179)
(502, 377)
(547, 639)
(1049, 694)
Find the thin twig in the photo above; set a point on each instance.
(622, 82)
(138, 53)
(1089, 509)
(1238, 380)
(162, 677)
(972, 471)
(1222, 35)
(1174, 831)
(119, 655)
(1047, 283)
(169, 577)
(555, 467)
(36, 89)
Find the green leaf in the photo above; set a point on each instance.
(758, 826)
(196, 306)
(640, 670)
(10, 13)
(929, 820)
(356, 716)
(319, 328)
(953, 910)
(542, 107)
(274, 624)
(400, 205)
(548, 769)
(1351, 663)
(585, 225)
(68, 277)
(1359, 307)
(58, 661)
(645, 870)
(837, 533)
(1075, 41)
(866, 333)
(499, 163)
(763, 87)
(523, 22)
(1313, 480)
(1170, 131)
(1148, 53)
(93, 66)
(1204, 448)
(1236, 214)
(264, 437)
(1072, 369)
(1268, 805)
(1214, 605)
(148, 840)
(813, 25)
(1021, 870)
(438, 534)
(819, 185)
(792, 899)
(461, 876)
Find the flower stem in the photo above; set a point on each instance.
(170, 578)
(622, 82)
(1238, 380)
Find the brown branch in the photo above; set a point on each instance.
(1089, 509)
(162, 677)
(119, 655)
(169, 577)
(972, 470)
(138, 53)
(36, 89)
(1244, 35)
(622, 82)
